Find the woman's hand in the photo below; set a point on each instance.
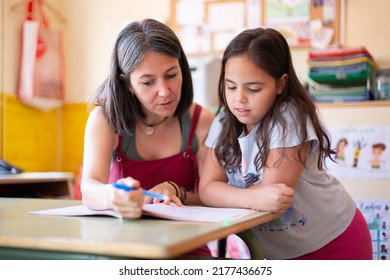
(165, 189)
(275, 198)
(127, 204)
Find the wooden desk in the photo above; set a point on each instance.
(37, 185)
(24, 236)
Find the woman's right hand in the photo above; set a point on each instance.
(127, 204)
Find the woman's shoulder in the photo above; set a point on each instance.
(97, 116)
(98, 126)
(98, 120)
(96, 110)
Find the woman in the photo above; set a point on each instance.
(145, 130)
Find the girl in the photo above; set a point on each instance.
(267, 151)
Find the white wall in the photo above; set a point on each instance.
(91, 31)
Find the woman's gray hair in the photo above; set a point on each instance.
(132, 43)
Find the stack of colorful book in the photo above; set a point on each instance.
(342, 74)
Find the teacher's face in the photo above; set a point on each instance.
(156, 82)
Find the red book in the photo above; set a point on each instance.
(337, 53)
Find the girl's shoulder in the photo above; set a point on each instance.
(289, 110)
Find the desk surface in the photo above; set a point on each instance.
(143, 238)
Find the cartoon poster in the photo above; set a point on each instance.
(361, 152)
(377, 215)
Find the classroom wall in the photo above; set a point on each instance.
(366, 24)
(355, 116)
(30, 138)
(44, 141)
(53, 140)
(91, 30)
(92, 26)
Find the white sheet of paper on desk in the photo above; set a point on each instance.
(78, 210)
(161, 210)
(195, 213)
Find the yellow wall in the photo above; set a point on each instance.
(43, 141)
(74, 117)
(30, 136)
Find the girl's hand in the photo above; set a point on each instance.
(165, 189)
(275, 198)
(127, 204)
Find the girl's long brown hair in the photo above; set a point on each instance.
(269, 50)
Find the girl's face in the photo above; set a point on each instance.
(156, 82)
(250, 91)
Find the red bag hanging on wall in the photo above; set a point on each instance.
(41, 73)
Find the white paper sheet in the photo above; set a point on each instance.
(173, 212)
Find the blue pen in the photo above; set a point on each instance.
(148, 193)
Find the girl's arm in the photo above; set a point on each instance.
(213, 187)
(289, 169)
(273, 194)
(285, 172)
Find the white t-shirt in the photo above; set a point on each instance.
(321, 210)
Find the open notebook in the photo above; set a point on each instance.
(161, 210)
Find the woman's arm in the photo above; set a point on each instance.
(99, 143)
